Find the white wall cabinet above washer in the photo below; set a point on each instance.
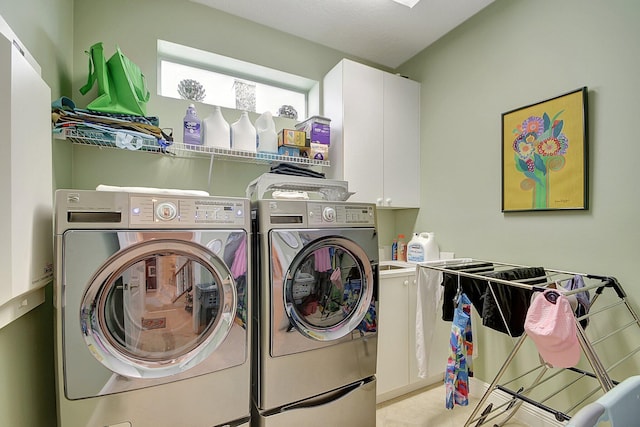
(375, 134)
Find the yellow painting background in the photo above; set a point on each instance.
(566, 186)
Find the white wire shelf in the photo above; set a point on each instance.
(102, 139)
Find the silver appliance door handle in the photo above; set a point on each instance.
(326, 398)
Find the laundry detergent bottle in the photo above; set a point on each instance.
(422, 248)
(216, 130)
(267, 136)
(243, 134)
(394, 250)
(402, 248)
(192, 127)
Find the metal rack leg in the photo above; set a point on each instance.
(497, 378)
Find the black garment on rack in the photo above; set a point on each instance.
(474, 289)
(512, 300)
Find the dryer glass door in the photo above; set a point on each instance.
(158, 307)
(328, 289)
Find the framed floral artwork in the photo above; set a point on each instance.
(544, 155)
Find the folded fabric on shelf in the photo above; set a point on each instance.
(64, 115)
(294, 170)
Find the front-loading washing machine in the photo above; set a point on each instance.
(151, 309)
(315, 339)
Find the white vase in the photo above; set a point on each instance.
(217, 132)
(243, 134)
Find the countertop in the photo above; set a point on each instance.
(396, 268)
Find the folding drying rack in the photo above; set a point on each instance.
(558, 391)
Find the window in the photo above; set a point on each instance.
(218, 80)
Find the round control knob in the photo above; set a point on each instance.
(166, 211)
(329, 214)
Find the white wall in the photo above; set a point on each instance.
(515, 53)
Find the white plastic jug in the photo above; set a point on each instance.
(422, 248)
(243, 134)
(217, 132)
(267, 136)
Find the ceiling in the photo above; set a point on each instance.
(380, 31)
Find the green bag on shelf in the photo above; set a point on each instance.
(122, 88)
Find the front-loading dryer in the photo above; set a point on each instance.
(151, 306)
(315, 322)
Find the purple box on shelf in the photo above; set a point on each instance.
(317, 128)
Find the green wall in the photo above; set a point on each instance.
(515, 53)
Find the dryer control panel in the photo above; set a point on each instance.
(322, 213)
(144, 210)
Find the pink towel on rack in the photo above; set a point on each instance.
(322, 259)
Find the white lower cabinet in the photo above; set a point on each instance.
(397, 368)
(393, 334)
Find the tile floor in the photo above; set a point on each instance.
(425, 408)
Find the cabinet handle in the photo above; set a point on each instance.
(388, 202)
(406, 283)
(379, 201)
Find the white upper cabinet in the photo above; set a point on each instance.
(401, 147)
(26, 180)
(375, 134)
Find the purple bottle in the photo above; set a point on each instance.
(192, 127)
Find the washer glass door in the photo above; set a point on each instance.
(158, 307)
(328, 289)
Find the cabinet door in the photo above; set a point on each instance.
(26, 250)
(401, 149)
(363, 131)
(393, 338)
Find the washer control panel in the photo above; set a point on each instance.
(326, 213)
(144, 210)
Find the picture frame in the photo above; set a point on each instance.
(545, 155)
